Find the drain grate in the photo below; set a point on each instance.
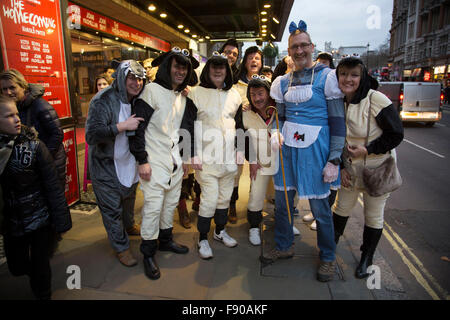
(84, 208)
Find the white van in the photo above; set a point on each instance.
(418, 101)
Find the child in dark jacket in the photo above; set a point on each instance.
(34, 203)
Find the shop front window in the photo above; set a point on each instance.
(91, 56)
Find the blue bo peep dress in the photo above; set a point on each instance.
(304, 100)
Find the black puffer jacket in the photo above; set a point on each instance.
(33, 197)
(36, 112)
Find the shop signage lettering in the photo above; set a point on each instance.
(95, 21)
(32, 43)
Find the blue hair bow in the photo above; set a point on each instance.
(301, 26)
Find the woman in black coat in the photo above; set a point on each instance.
(37, 113)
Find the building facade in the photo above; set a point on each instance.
(419, 46)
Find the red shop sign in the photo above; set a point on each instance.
(32, 43)
(90, 19)
(72, 190)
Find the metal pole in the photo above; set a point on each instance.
(281, 162)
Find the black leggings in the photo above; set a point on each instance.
(30, 255)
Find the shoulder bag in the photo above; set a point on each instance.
(383, 179)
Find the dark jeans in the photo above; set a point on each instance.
(30, 255)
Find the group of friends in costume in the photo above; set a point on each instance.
(303, 132)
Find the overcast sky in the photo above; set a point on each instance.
(343, 22)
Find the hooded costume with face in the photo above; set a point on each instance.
(160, 144)
(112, 166)
(217, 108)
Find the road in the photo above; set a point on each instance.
(416, 241)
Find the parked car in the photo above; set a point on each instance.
(415, 101)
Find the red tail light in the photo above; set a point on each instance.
(401, 98)
(442, 99)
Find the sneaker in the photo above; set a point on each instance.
(275, 254)
(225, 238)
(313, 226)
(204, 250)
(308, 218)
(254, 236)
(326, 271)
(295, 230)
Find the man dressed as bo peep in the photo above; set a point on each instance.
(312, 124)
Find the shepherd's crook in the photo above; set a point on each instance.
(281, 158)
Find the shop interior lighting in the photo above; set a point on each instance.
(208, 37)
(263, 13)
(194, 36)
(275, 20)
(151, 7)
(180, 26)
(187, 30)
(264, 19)
(117, 38)
(267, 6)
(264, 26)
(163, 15)
(272, 36)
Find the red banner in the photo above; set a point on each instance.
(72, 189)
(90, 19)
(32, 43)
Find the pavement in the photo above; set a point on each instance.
(233, 273)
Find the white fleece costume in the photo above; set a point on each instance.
(259, 131)
(216, 111)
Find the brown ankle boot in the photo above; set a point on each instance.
(126, 258)
(134, 231)
(183, 214)
(232, 217)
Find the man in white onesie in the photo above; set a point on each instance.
(156, 147)
(217, 102)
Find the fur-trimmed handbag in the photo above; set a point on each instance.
(383, 179)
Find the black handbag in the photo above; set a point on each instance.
(384, 178)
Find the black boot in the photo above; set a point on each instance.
(339, 226)
(167, 244)
(151, 268)
(148, 249)
(370, 241)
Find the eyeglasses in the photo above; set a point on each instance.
(303, 45)
(260, 77)
(184, 52)
(221, 55)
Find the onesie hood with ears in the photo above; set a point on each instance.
(121, 73)
(164, 64)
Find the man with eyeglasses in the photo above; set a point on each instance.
(311, 112)
(112, 167)
(217, 102)
(231, 49)
(156, 146)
